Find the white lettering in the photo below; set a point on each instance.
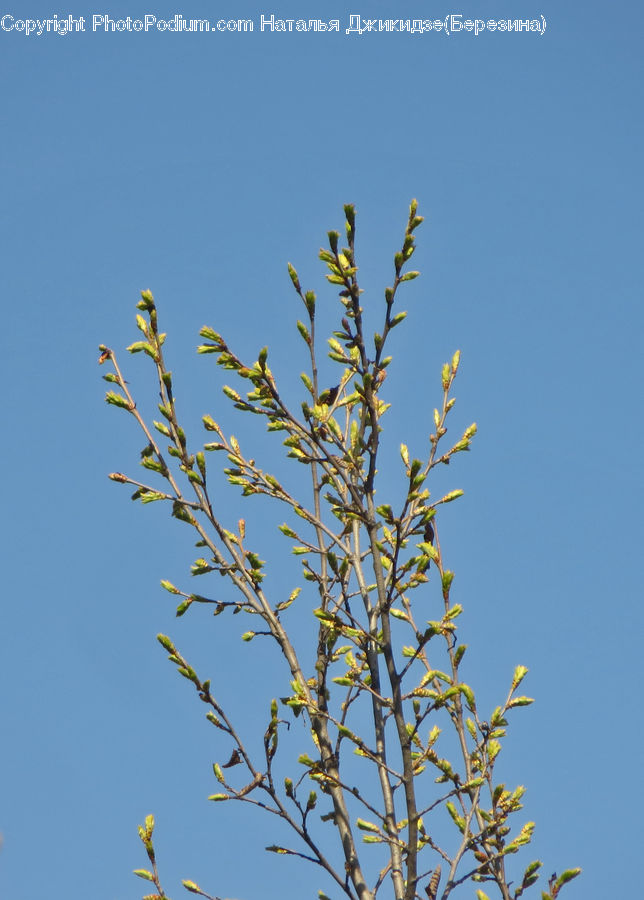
(223, 25)
(40, 26)
(354, 25)
(361, 25)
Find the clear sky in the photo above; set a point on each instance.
(196, 165)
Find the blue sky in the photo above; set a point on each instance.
(196, 166)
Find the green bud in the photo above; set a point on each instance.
(143, 873)
(168, 586)
(293, 276)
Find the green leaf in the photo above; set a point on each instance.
(166, 643)
(324, 616)
(293, 276)
(209, 424)
(151, 496)
(304, 332)
(566, 876)
(141, 324)
(399, 614)
(453, 495)
(219, 797)
(386, 512)
(519, 674)
(460, 652)
(286, 603)
(520, 701)
(165, 431)
(532, 868)
(137, 346)
(468, 693)
(447, 579)
(458, 820)
(493, 749)
(524, 837)
(363, 825)
(211, 335)
(143, 873)
(431, 675)
(153, 465)
(115, 399)
(181, 513)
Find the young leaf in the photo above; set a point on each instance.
(143, 873)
